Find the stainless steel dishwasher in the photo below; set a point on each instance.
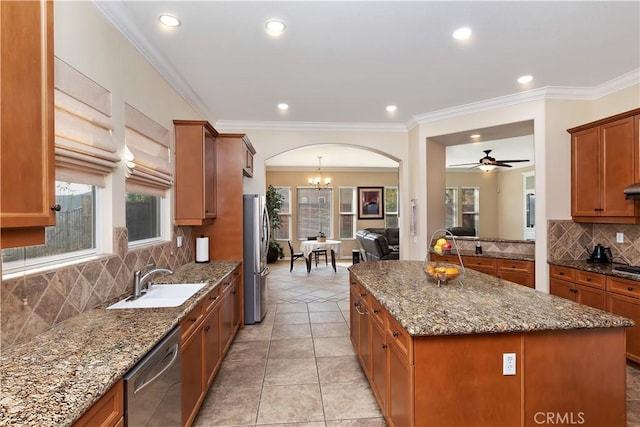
(152, 387)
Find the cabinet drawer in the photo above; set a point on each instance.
(189, 324)
(594, 280)
(513, 265)
(107, 411)
(450, 259)
(211, 299)
(562, 273)
(378, 314)
(525, 279)
(623, 286)
(483, 263)
(400, 338)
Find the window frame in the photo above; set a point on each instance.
(329, 232)
(352, 213)
(288, 214)
(395, 212)
(162, 215)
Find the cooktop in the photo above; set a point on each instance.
(629, 269)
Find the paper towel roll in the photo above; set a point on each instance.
(202, 249)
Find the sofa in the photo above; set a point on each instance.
(375, 246)
(392, 235)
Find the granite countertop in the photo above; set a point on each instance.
(53, 378)
(484, 304)
(594, 267)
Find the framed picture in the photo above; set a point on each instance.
(370, 203)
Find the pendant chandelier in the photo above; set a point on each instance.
(318, 181)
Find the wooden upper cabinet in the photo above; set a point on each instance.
(247, 154)
(196, 181)
(27, 164)
(636, 137)
(602, 164)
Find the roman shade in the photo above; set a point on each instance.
(85, 151)
(148, 154)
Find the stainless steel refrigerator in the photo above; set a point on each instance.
(256, 245)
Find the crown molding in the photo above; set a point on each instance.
(225, 125)
(115, 12)
(541, 94)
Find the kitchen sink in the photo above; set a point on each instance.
(158, 296)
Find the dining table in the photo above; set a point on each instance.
(308, 246)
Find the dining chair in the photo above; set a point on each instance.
(317, 252)
(294, 255)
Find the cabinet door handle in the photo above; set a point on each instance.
(561, 273)
(363, 295)
(376, 311)
(629, 288)
(395, 334)
(384, 346)
(56, 208)
(213, 298)
(193, 319)
(206, 328)
(588, 279)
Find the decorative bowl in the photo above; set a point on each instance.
(441, 272)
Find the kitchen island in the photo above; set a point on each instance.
(487, 352)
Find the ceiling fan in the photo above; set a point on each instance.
(488, 163)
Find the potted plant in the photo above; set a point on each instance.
(322, 237)
(274, 204)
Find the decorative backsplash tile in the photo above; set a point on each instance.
(575, 241)
(34, 303)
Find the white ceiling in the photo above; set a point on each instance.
(344, 61)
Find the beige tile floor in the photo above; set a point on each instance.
(297, 368)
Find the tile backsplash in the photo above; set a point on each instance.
(33, 303)
(575, 241)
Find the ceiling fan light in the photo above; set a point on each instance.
(487, 168)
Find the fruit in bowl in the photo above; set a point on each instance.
(442, 273)
(442, 247)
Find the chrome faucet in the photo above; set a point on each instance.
(139, 279)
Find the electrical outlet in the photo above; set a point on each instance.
(619, 237)
(508, 364)
(179, 241)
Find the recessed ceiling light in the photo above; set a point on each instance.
(274, 26)
(525, 79)
(475, 135)
(283, 106)
(391, 108)
(462, 33)
(169, 20)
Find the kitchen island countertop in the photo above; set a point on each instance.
(53, 378)
(484, 304)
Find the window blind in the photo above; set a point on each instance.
(148, 154)
(85, 151)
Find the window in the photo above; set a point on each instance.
(284, 232)
(391, 207)
(73, 235)
(469, 202)
(149, 176)
(144, 217)
(451, 207)
(347, 202)
(314, 212)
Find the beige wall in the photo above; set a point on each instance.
(295, 179)
(487, 183)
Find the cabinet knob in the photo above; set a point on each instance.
(561, 273)
(213, 298)
(193, 319)
(376, 311)
(384, 346)
(206, 328)
(395, 334)
(629, 288)
(363, 295)
(56, 208)
(588, 279)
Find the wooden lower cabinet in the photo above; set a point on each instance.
(579, 286)
(458, 380)
(622, 301)
(613, 294)
(106, 412)
(399, 409)
(516, 271)
(207, 333)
